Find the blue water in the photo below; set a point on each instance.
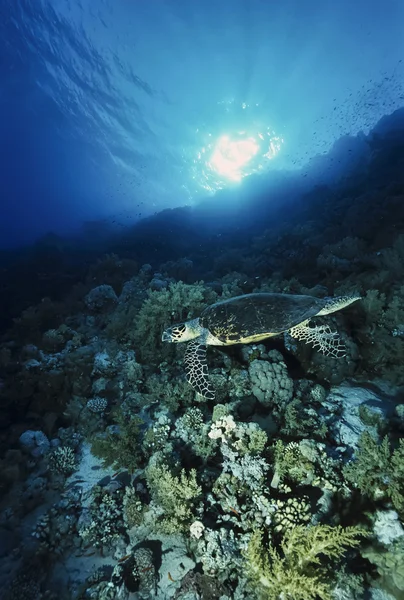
(113, 109)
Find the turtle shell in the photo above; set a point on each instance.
(253, 317)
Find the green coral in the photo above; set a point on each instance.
(62, 460)
(133, 508)
(176, 496)
(300, 417)
(192, 430)
(179, 302)
(372, 418)
(220, 411)
(156, 437)
(120, 446)
(382, 343)
(250, 439)
(302, 421)
(301, 570)
(289, 463)
(171, 395)
(105, 525)
(390, 565)
(378, 471)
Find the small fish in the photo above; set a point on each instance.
(73, 485)
(124, 558)
(170, 577)
(234, 510)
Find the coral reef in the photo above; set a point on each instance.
(101, 298)
(300, 573)
(176, 497)
(102, 525)
(178, 302)
(271, 384)
(119, 444)
(378, 471)
(118, 482)
(62, 460)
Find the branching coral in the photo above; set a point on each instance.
(240, 445)
(300, 417)
(62, 460)
(119, 445)
(133, 507)
(167, 394)
(381, 336)
(302, 421)
(156, 437)
(289, 463)
(301, 570)
(103, 524)
(177, 496)
(192, 430)
(189, 425)
(378, 471)
(218, 551)
(178, 302)
(245, 438)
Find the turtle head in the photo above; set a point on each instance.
(182, 332)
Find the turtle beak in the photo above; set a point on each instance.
(167, 337)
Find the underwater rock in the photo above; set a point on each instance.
(387, 526)
(352, 401)
(8, 541)
(378, 594)
(34, 442)
(29, 351)
(129, 292)
(158, 283)
(101, 298)
(176, 563)
(33, 492)
(103, 364)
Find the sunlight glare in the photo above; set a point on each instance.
(236, 144)
(231, 156)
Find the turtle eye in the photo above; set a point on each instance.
(179, 331)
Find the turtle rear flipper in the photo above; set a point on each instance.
(196, 368)
(322, 337)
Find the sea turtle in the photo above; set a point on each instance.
(252, 318)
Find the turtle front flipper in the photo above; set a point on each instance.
(196, 368)
(321, 337)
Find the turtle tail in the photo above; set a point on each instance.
(196, 368)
